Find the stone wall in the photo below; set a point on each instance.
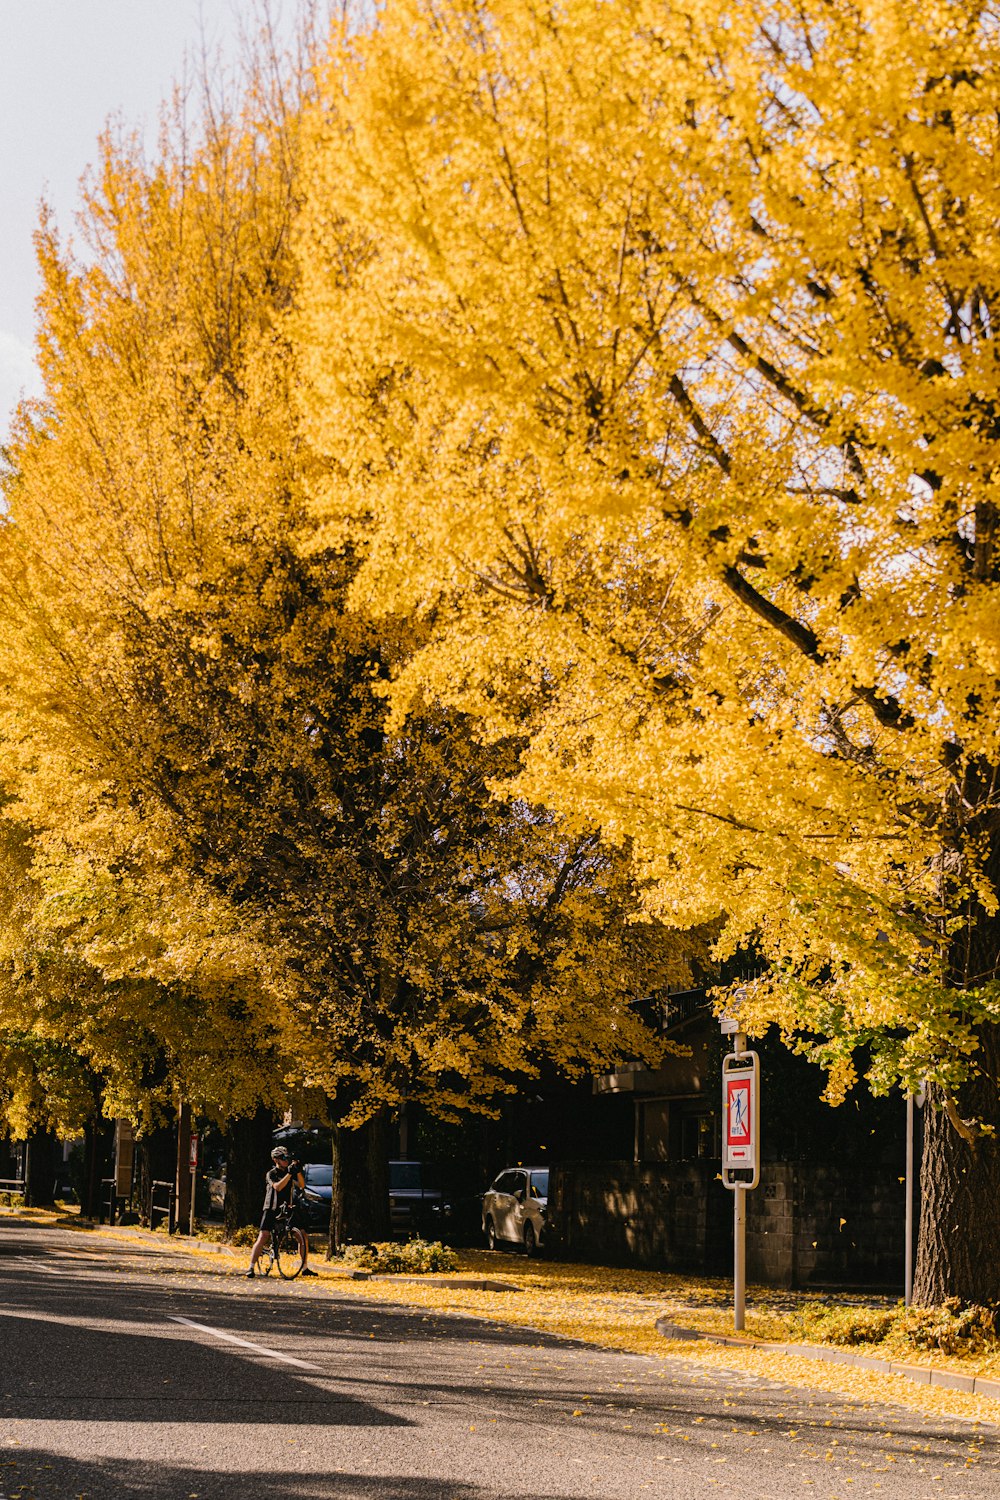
(809, 1224)
(649, 1214)
(806, 1225)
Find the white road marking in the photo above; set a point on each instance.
(37, 1265)
(230, 1338)
(71, 1270)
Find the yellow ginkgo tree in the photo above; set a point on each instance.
(195, 727)
(662, 380)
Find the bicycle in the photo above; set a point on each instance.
(284, 1250)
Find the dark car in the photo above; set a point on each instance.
(416, 1207)
(304, 1143)
(417, 1204)
(318, 1195)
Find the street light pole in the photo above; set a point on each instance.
(913, 1103)
(908, 1251)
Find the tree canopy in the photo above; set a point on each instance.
(271, 885)
(666, 379)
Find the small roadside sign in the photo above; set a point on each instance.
(740, 1116)
(193, 1153)
(740, 1156)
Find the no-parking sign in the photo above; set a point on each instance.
(740, 1115)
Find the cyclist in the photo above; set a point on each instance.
(282, 1180)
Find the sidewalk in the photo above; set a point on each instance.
(923, 1374)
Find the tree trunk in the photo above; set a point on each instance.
(360, 1208)
(248, 1156)
(958, 1251)
(154, 1162)
(335, 1238)
(95, 1151)
(40, 1169)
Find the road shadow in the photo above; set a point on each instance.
(83, 1358)
(50, 1476)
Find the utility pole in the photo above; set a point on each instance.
(913, 1103)
(908, 1237)
(183, 1181)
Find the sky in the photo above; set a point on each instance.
(66, 68)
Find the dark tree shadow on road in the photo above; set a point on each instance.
(49, 1476)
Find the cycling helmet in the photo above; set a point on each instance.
(280, 1153)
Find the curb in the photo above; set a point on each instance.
(478, 1285)
(952, 1380)
(471, 1284)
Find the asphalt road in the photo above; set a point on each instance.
(129, 1373)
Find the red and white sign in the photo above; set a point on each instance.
(740, 1114)
(739, 1111)
(193, 1153)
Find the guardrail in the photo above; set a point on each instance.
(108, 1205)
(12, 1185)
(169, 1192)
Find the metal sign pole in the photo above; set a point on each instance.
(739, 1230)
(193, 1164)
(740, 1149)
(739, 1258)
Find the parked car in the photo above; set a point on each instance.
(305, 1143)
(515, 1208)
(417, 1205)
(217, 1192)
(317, 1197)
